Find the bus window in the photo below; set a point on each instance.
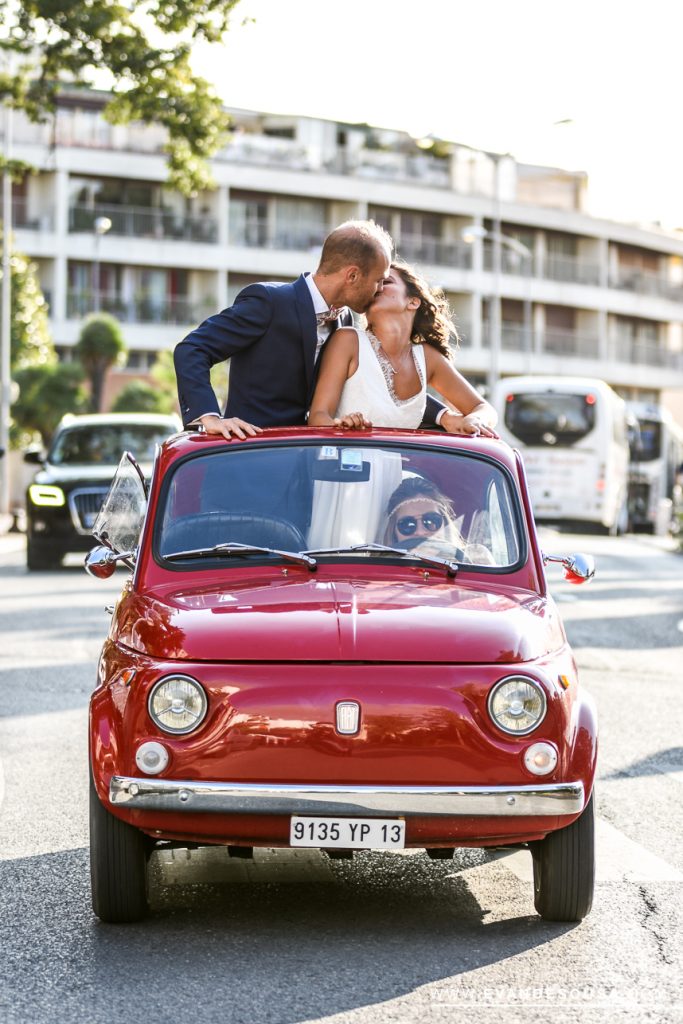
(549, 419)
(649, 441)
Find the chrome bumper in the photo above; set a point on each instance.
(355, 801)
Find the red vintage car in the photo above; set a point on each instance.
(340, 640)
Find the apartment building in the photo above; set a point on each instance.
(564, 292)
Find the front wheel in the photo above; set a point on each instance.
(564, 869)
(118, 866)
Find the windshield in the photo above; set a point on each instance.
(103, 444)
(320, 498)
(549, 418)
(647, 444)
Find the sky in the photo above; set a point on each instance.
(491, 74)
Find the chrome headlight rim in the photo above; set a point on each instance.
(517, 677)
(185, 729)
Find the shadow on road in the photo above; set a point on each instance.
(266, 953)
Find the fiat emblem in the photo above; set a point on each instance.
(348, 717)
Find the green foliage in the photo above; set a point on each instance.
(46, 393)
(163, 375)
(99, 346)
(30, 343)
(145, 48)
(139, 396)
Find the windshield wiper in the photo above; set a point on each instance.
(226, 550)
(383, 549)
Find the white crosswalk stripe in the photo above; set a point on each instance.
(619, 859)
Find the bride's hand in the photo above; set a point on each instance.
(471, 424)
(353, 421)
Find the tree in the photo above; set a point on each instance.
(30, 341)
(143, 51)
(99, 346)
(46, 393)
(139, 396)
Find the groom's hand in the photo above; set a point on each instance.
(229, 427)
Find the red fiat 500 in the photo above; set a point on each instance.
(336, 640)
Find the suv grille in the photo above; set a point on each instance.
(84, 504)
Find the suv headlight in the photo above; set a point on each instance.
(177, 704)
(46, 494)
(517, 705)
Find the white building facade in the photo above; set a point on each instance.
(573, 294)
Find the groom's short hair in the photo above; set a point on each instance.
(356, 243)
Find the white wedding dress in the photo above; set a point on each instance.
(344, 514)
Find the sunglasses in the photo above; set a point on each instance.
(431, 521)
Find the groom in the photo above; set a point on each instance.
(274, 333)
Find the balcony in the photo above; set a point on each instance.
(571, 269)
(143, 309)
(650, 353)
(435, 251)
(561, 341)
(258, 233)
(144, 222)
(647, 282)
(24, 218)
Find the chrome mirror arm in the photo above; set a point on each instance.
(578, 568)
(101, 561)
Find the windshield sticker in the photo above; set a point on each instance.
(328, 451)
(351, 459)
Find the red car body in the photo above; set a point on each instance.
(277, 647)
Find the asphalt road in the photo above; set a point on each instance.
(294, 937)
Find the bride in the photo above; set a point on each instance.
(379, 376)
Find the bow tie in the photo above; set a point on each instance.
(325, 318)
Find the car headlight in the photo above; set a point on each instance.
(517, 705)
(177, 704)
(44, 494)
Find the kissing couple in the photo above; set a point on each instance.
(297, 357)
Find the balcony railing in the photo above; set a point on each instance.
(516, 337)
(141, 310)
(259, 234)
(647, 282)
(560, 341)
(571, 269)
(435, 250)
(144, 222)
(24, 217)
(649, 353)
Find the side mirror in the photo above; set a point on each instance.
(101, 561)
(578, 568)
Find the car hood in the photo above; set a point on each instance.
(323, 620)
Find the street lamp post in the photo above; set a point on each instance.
(100, 227)
(498, 240)
(6, 316)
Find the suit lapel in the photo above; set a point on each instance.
(309, 328)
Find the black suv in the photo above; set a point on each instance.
(67, 491)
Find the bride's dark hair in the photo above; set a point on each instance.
(433, 322)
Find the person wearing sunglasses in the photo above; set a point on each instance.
(421, 518)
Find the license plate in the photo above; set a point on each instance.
(348, 833)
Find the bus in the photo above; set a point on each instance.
(572, 433)
(654, 492)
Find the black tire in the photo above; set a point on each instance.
(564, 869)
(118, 866)
(37, 560)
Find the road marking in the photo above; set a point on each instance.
(619, 859)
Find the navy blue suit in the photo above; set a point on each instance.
(270, 335)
